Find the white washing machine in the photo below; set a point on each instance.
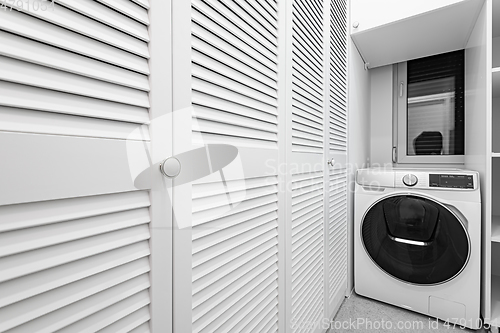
(418, 241)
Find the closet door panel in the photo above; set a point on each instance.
(75, 224)
(336, 191)
(227, 211)
(305, 154)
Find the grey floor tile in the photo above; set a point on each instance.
(359, 314)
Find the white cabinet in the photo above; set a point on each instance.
(83, 245)
(388, 32)
(260, 246)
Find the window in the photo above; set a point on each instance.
(431, 109)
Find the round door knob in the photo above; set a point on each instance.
(171, 167)
(410, 180)
(355, 25)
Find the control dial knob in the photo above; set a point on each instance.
(410, 180)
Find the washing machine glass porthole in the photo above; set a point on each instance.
(415, 239)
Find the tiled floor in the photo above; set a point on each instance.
(359, 314)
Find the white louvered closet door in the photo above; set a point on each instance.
(306, 164)
(316, 156)
(74, 112)
(227, 217)
(336, 195)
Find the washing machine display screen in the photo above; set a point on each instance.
(415, 240)
(451, 181)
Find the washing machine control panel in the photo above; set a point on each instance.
(451, 181)
(419, 179)
(410, 180)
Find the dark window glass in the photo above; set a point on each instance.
(435, 109)
(415, 240)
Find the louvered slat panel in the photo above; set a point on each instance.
(28, 121)
(227, 263)
(216, 218)
(268, 324)
(234, 49)
(337, 230)
(215, 200)
(338, 79)
(263, 17)
(209, 72)
(35, 261)
(219, 74)
(218, 92)
(269, 6)
(338, 282)
(129, 323)
(235, 255)
(228, 130)
(36, 233)
(144, 328)
(48, 212)
(15, 242)
(38, 53)
(71, 78)
(108, 16)
(337, 177)
(43, 304)
(212, 110)
(242, 314)
(307, 247)
(307, 77)
(142, 3)
(85, 307)
(311, 87)
(21, 72)
(26, 97)
(234, 75)
(122, 317)
(254, 293)
(243, 22)
(260, 316)
(71, 249)
(219, 15)
(205, 289)
(130, 9)
(235, 60)
(204, 189)
(35, 284)
(81, 24)
(209, 24)
(53, 35)
(307, 33)
(231, 284)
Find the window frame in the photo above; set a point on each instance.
(401, 115)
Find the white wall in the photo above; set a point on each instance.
(381, 116)
(359, 135)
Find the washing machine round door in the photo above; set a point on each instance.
(415, 239)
